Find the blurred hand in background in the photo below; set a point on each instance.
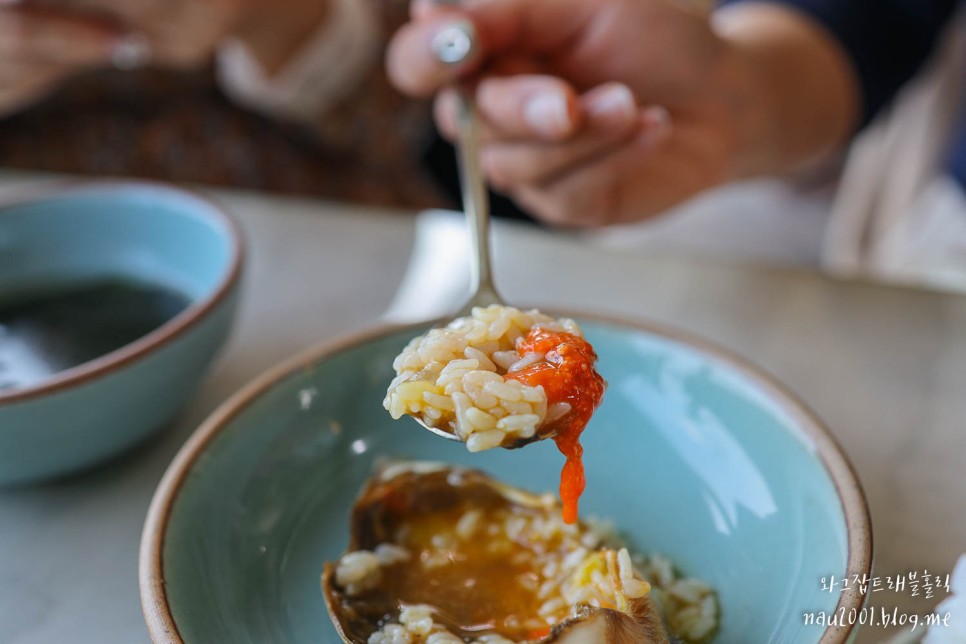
(44, 42)
(39, 48)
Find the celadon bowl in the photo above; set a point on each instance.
(128, 231)
(694, 454)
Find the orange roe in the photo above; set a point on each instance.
(567, 375)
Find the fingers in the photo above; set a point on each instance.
(49, 37)
(552, 150)
(615, 185)
(612, 118)
(413, 64)
(175, 33)
(23, 84)
(40, 47)
(528, 26)
(498, 27)
(589, 196)
(518, 107)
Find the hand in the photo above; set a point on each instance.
(178, 33)
(44, 42)
(185, 33)
(568, 89)
(39, 48)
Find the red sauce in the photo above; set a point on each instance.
(567, 375)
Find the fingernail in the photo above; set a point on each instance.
(656, 121)
(548, 113)
(657, 115)
(455, 42)
(614, 103)
(131, 51)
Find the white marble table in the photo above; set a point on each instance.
(885, 367)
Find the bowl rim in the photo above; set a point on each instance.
(154, 602)
(205, 208)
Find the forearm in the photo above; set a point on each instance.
(790, 88)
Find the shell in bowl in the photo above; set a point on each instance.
(446, 554)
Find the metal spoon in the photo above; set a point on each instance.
(453, 45)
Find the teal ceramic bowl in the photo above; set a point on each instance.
(139, 234)
(693, 454)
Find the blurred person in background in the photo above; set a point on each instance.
(284, 96)
(598, 111)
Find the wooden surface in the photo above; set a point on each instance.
(884, 367)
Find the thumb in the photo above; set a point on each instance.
(496, 27)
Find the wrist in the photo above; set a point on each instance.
(274, 32)
(747, 112)
(787, 85)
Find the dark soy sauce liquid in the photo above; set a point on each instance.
(49, 330)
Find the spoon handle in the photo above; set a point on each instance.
(452, 46)
(475, 205)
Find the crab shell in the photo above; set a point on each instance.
(398, 489)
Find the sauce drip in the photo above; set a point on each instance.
(567, 375)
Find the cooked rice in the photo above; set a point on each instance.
(452, 378)
(690, 605)
(358, 572)
(572, 566)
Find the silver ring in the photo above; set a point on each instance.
(133, 51)
(455, 43)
